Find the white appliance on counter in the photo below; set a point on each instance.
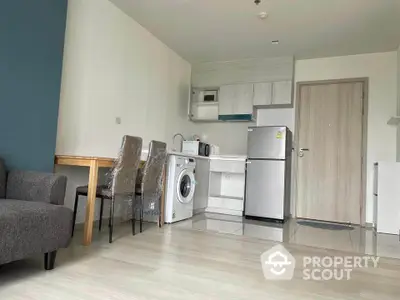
(214, 149)
(196, 148)
(180, 188)
(387, 197)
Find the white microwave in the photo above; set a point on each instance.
(207, 95)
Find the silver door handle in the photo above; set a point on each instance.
(301, 151)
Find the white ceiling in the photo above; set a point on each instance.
(215, 30)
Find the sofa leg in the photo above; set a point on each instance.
(49, 260)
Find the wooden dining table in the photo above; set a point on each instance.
(94, 163)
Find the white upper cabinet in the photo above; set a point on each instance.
(236, 99)
(282, 92)
(262, 94)
(244, 99)
(227, 95)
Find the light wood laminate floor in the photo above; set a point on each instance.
(357, 240)
(181, 263)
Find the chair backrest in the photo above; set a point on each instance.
(124, 173)
(151, 185)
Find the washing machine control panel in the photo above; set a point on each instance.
(190, 162)
(185, 161)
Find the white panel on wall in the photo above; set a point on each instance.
(215, 74)
(276, 117)
(398, 103)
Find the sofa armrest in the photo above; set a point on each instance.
(36, 186)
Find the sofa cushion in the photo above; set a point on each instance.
(28, 228)
(2, 179)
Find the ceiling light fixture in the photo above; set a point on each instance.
(257, 2)
(275, 42)
(263, 15)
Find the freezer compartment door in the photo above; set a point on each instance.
(265, 189)
(266, 142)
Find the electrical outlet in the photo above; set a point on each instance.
(118, 120)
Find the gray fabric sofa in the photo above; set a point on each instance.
(33, 219)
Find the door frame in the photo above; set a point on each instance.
(364, 81)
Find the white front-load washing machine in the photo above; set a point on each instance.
(180, 188)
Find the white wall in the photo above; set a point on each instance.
(113, 68)
(272, 117)
(231, 137)
(398, 102)
(381, 70)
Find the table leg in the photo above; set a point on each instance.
(90, 204)
(162, 204)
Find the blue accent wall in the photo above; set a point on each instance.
(31, 52)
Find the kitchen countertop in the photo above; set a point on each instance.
(229, 157)
(220, 157)
(186, 155)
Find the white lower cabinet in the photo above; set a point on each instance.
(233, 203)
(226, 187)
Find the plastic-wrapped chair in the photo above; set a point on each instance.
(121, 182)
(149, 184)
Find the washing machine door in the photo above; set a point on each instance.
(185, 186)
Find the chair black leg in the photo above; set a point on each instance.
(111, 224)
(75, 210)
(134, 215)
(159, 214)
(101, 213)
(49, 260)
(141, 212)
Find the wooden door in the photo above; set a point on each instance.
(330, 172)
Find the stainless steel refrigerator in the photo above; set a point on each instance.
(268, 173)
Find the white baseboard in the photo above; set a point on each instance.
(224, 211)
